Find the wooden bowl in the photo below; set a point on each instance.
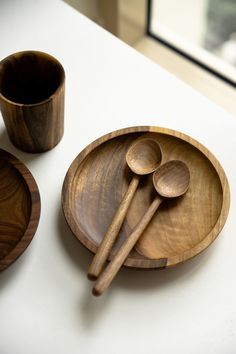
(181, 229)
(19, 208)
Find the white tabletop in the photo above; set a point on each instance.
(46, 304)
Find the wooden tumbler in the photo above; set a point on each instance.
(32, 90)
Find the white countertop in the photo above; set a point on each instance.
(46, 304)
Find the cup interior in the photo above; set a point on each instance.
(30, 77)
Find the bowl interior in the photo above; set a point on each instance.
(15, 207)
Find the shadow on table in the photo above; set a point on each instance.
(143, 280)
(127, 280)
(4, 140)
(14, 270)
(25, 157)
(77, 253)
(90, 309)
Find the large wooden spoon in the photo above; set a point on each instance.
(170, 180)
(143, 157)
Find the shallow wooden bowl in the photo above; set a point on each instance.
(181, 229)
(19, 208)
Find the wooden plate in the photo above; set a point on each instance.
(181, 229)
(19, 208)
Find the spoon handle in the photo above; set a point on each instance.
(113, 267)
(113, 230)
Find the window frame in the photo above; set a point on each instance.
(182, 52)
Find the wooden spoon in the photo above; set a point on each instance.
(143, 157)
(170, 180)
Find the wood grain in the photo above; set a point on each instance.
(32, 86)
(109, 238)
(115, 264)
(98, 178)
(143, 157)
(19, 208)
(171, 180)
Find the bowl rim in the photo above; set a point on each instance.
(149, 263)
(34, 216)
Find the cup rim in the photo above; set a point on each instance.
(46, 55)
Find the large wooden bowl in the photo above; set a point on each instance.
(181, 229)
(19, 208)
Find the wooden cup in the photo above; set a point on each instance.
(32, 90)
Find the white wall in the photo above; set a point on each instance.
(87, 7)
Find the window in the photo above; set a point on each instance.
(202, 30)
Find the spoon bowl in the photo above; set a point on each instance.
(172, 179)
(144, 156)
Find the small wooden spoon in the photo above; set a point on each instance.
(143, 157)
(170, 180)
